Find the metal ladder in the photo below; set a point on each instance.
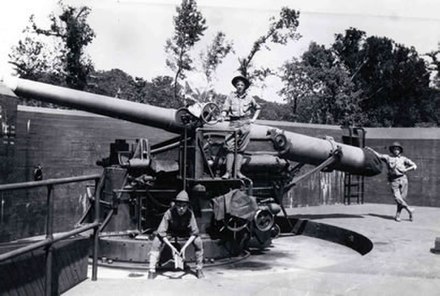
(354, 184)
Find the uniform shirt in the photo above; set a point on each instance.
(397, 165)
(167, 221)
(240, 105)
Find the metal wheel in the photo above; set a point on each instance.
(210, 113)
(264, 220)
(235, 224)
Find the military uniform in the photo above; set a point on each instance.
(239, 106)
(397, 166)
(177, 225)
(397, 178)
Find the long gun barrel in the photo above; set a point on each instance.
(99, 104)
(300, 148)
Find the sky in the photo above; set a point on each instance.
(131, 34)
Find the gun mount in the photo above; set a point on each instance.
(140, 180)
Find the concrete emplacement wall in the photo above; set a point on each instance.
(68, 143)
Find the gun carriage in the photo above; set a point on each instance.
(139, 180)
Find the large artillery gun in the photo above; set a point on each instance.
(140, 179)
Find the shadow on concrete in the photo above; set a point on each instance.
(172, 273)
(325, 216)
(346, 237)
(386, 217)
(250, 265)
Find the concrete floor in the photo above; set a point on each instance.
(399, 264)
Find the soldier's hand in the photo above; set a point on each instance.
(182, 253)
(174, 250)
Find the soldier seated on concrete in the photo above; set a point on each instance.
(178, 221)
(398, 165)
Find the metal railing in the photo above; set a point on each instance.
(50, 238)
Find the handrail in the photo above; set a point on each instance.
(33, 184)
(46, 242)
(50, 237)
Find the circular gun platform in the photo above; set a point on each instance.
(400, 262)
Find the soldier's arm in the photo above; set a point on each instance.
(169, 244)
(383, 157)
(410, 165)
(162, 230)
(187, 243)
(225, 109)
(257, 110)
(194, 233)
(163, 226)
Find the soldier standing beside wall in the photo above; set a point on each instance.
(398, 165)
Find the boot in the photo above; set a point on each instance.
(238, 163)
(151, 275)
(229, 164)
(199, 274)
(410, 212)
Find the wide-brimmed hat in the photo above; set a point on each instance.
(395, 144)
(241, 78)
(182, 197)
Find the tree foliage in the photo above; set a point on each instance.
(393, 78)
(434, 66)
(116, 83)
(214, 54)
(64, 62)
(32, 59)
(189, 25)
(360, 80)
(280, 31)
(319, 89)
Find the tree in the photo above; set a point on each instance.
(395, 81)
(297, 84)
(114, 83)
(280, 31)
(434, 66)
(348, 48)
(28, 58)
(214, 55)
(189, 25)
(392, 77)
(273, 111)
(70, 33)
(117, 83)
(160, 92)
(319, 89)
(200, 88)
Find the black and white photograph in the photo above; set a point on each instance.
(201, 147)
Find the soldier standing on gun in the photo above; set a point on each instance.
(398, 165)
(239, 106)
